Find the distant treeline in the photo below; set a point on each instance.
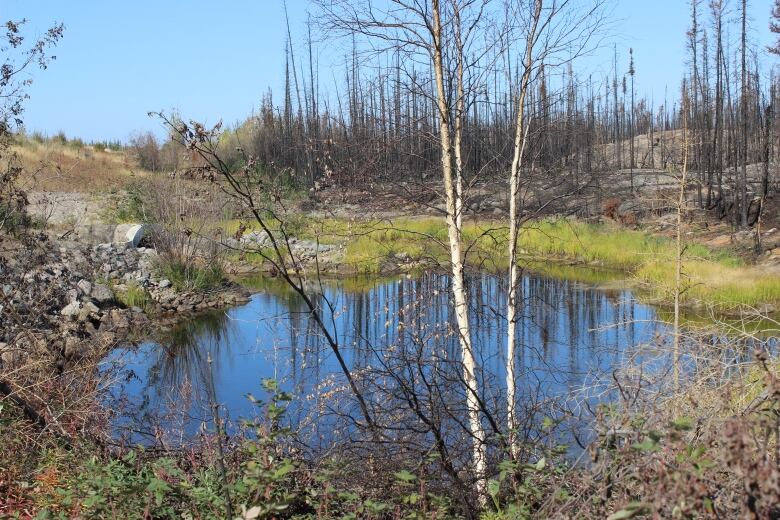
(380, 125)
(61, 138)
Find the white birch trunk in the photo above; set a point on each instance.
(521, 135)
(453, 203)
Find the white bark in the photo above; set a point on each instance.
(521, 136)
(454, 233)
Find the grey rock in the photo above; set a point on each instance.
(91, 307)
(85, 286)
(164, 283)
(256, 238)
(71, 309)
(102, 294)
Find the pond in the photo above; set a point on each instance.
(570, 335)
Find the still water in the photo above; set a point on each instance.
(570, 337)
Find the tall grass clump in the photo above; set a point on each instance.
(189, 276)
(133, 296)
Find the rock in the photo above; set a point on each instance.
(256, 238)
(102, 294)
(71, 309)
(119, 319)
(85, 286)
(164, 283)
(72, 295)
(7, 290)
(91, 307)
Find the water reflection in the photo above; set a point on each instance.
(569, 335)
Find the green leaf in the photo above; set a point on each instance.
(494, 487)
(405, 477)
(540, 464)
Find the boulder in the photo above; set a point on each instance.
(164, 283)
(101, 294)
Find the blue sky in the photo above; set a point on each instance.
(214, 60)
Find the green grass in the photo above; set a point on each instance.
(189, 277)
(133, 296)
(711, 276)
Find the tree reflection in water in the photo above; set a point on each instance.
(568, 336)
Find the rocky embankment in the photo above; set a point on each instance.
(66, 297)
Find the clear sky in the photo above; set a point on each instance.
(214, 60)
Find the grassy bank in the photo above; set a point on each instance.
(713, 277)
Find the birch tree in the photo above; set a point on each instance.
(426, 29)
(555, 33)
(521, 135)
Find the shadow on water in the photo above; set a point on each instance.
(571, 337)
